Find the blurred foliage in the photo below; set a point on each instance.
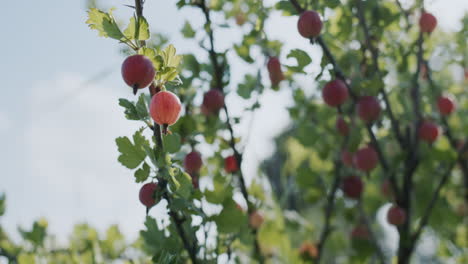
(292, 187)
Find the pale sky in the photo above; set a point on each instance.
(59, 158)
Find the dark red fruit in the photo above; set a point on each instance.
(342, 126)
(445, 105)
(386, 188)
(213, 101)
(428, 131)
(255, 219)
(347, 158)
(274, 70)
(368, 108)
(309, 24)
(230, 164)
(308, 251)
(335, 93)
(193, 162)
(138, 71)
(360, 232)
(165, 108)
(365, 159)
(352, 187)
(147, 197)
(427, 22)
(396, 215)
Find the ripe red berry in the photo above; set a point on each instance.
(255, 219)
(360, 232)
(352, 187)
(230, 164)
(193, 162)
(138, 71)
(165, 108)
(365, 159)
(445, 105)
(368, 108)
(308, 250)
(428, 131)
(396, 215)
(146, 195)
(342, 126)
(335, 93)
(427, 22)
(347, 158)
(386, 188)
(213, 101)
(274, 70)
(309, 24)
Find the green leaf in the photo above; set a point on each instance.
(38, 233)
(230, 219)
(132, 155)
(139, 33)
(142, 108)
(182, 183)
(142, 173)
(303, 59)
(2, 204)
(287, 8)
(172, 142)
(187, 30)
(130, 109)
(104, 23)
(246, 88)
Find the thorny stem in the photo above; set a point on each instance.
(218, 82)
(178, 221)
(448, 132)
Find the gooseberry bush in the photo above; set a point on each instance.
(376, 147)
(379, 131)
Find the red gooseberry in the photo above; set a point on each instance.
(427, 22)
(396, 215)
(165, 108)
(192, 162)
(428, 131)
(138, 72)
(146, 194)
(352, 187)
(213, 101)
(368, 108)
(365, 159)
(342, 126)
(445, 105)
(335, 93)
(230, 164)
(309, 24)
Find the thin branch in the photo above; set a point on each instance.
(160, 149)
(373, 237)
(218, 77)
(435, 196)
(327, 229)
(375, 59)
(448, 132)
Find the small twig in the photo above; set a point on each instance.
(427, 213)
(373, 237)
(448, 132)
(160, 149)
(218, 77)
(375, 59)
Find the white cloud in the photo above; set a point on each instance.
(72, 173)
(5, 122)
